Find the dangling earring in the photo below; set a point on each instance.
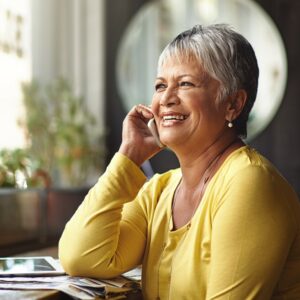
(230, 124)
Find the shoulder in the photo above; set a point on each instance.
(249, 169)
(249, 163)
(247, 178)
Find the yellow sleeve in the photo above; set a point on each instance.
(252, 231)
(97, 241)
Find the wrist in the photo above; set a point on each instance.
(132, 153)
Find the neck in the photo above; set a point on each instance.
(194, 165)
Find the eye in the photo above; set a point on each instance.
(186, 83)
(160, 86)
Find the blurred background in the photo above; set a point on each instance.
(71, 69)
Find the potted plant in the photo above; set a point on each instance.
(61, 133)
(22, 196)
(42, 185)
(19, 170)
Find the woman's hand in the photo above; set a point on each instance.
(138, 143)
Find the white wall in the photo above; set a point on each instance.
(15, 67)
(68, 41)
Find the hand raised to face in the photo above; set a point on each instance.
(138, 143)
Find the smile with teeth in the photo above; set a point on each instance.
(175, 117)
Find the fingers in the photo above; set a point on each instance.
(137, 141)
(144, 111)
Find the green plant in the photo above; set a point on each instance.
(61, 132)
(19, 170)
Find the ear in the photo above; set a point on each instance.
(235, 105)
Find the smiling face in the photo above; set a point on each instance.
(185, 105)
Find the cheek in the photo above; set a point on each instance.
(155, 105)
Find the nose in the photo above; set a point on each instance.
(169, 97)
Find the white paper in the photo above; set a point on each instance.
(78, 287)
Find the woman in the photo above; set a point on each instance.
(223, 226)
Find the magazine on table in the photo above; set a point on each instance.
(77, 287)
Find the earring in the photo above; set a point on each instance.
(230, 124)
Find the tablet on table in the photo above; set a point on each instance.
(30, 266)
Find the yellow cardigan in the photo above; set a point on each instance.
(242, 243)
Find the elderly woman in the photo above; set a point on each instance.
(225, 225)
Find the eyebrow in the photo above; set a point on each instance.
(179, 77)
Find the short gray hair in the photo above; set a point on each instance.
(226, 56)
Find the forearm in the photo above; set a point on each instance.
(93, 242)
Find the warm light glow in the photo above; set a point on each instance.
(208, 10)
(15, 67)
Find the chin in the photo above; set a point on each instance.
(171, 141)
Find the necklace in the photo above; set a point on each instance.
(206, 176)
